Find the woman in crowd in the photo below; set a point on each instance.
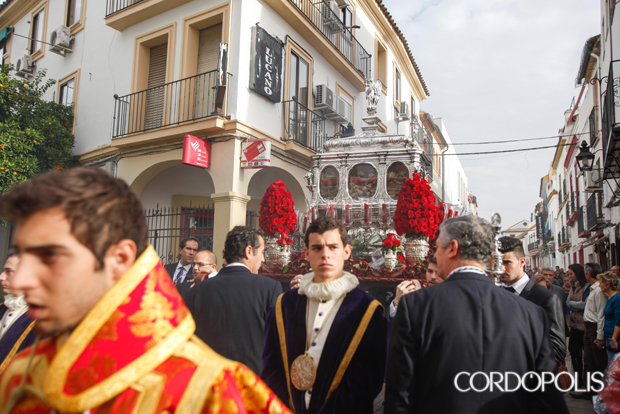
(542, 281)
(576, 305)
(609, 286)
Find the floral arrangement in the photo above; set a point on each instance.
(277, 211)
(284, 240)
(391, 243)
(416, 213)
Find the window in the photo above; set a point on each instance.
(37, 30)
(347, 17)
(396, 85)
(381, 63)
(298, 79)
(298, 119)
(67, 89)
(74, 12)
(349, 103)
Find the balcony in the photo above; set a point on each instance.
(183, 101)
(571, 208)
(610, 127)
(595, 217)
(565, 239)
(121, 14)
(532, 246)
(303, 126)
(323, 29)
(581, 223)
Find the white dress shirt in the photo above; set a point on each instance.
(210, 275)
(16, 308)
(595, 309)
(520, 284)
(178, 269)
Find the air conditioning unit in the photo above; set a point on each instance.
(403, 111)
(331, 16)
(24, 66)
(342, 3)
(324, 98)
(343, 112)
(61, 41)
(593, 181)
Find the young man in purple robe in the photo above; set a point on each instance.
(326, 342)
(16, 331)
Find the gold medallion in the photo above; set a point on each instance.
(303, 372)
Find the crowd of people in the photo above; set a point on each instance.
(93, 322)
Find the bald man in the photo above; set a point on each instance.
(204, 267)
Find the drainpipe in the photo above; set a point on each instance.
(443, 173)
(600, 106)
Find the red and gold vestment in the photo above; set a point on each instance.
(135, 352)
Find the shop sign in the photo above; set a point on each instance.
(196, 151)
(540, 227)
(266, 67)
(256, 154)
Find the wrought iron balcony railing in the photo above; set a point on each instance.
(303, 126)
(581, 222)
(592, 124)
(331, 26)
(173, 103)
(595, 217)
(113, 6)
(532, 246)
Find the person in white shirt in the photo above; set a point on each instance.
(181, 272)
(594, 356)
(203, 267)
(16, 331)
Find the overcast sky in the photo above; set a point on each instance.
(499, 70)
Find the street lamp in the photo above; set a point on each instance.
(585, 159)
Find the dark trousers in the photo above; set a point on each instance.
(594, 358)
(575, 347)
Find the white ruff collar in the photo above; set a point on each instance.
(13, 303)
(327, 290)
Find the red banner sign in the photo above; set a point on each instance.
(256, 154)
(196, 151)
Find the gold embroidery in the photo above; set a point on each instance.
(153, 318)
(15, 371)
(85, 377)
(109, 330)
(13, 350)
(255, 393)
(150, 388)
(275, 406)
(86, 330)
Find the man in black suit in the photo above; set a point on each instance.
(516, 281)
(448, 338)
(230, 309)
(181, 272)
(203, 267)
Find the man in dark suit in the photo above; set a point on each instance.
(230, 309)
(448, 338)
(516, 281)
(181, 272)
(556, 288)
(203, 267)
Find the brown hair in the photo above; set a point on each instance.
(323, 224)
(101, 209)
(541, 278)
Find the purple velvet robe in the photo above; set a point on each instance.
(364, 376)
(12, 336)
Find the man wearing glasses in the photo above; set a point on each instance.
(204, 267)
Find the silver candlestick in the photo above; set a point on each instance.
(497, 270)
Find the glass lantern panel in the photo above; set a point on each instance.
(397, 174)
(329, 182)
(362, 181)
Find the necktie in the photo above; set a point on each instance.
(179, 276)
(510, 289)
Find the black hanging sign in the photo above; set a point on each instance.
(266, 69)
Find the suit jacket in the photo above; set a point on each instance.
(230, 312)
(363, 379)
(467, 324)
(554, 309)
(19, 337)
(186, 281)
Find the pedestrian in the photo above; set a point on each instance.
(616, 270)
(576, 303)
(556, 286)
(409, 286)
(230, 309)
(609, 286)
(516, 281)
(444, 336)
(594, 357)
(121, 339)
(181, 271)
(326, 342)
(16, 332)
(204, 267)
(542, 281)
